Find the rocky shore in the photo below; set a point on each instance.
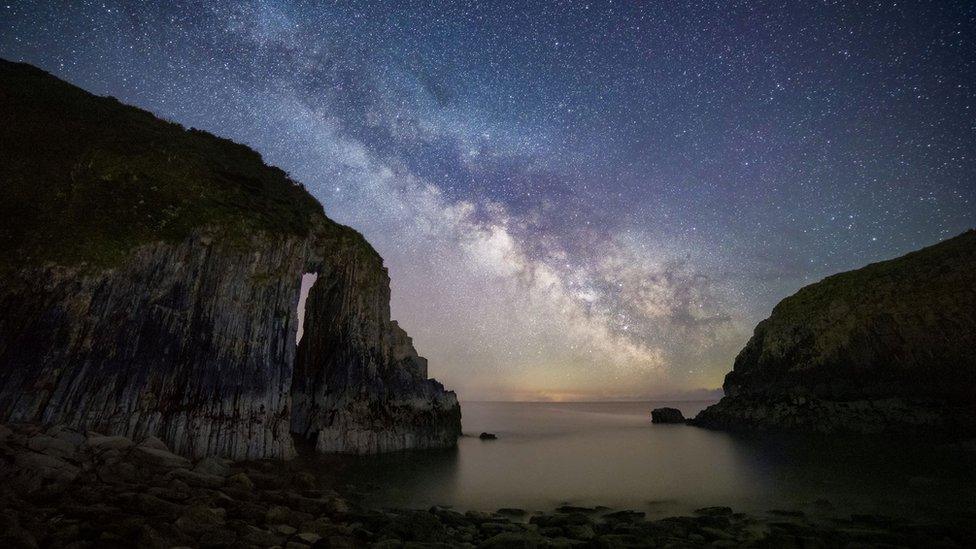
(64, 488)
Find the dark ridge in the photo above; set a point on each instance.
(890, 346)
(101, 177)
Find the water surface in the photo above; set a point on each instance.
(608, 453)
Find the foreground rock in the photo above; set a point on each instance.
(890, 347)
(150, 285)
(102, 495)
(667, 415)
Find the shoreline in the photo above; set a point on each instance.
(62, 488)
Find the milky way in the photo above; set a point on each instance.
(574, 199)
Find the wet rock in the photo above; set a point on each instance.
(786, 513)
(624, 516)
(714, 511)
(713, 521)
(175, 490)
(551, 531)
(338, 542)
(575, 509)
(308, 537)
(303, 480)
(715, 533)
(153, 442)
(619, 540)
(253, 535)
(513, 540)
(101, 444)
(450, 517)
(667, 415)
(38, 467)
(212, 466)
(284, 529)
(579, 531)
(67, 434)
(489, 529)
(52, 446)
(117, 472)
(199, 519)
(12, 533)
(416, 526)
(565, 543)
(321, 526)
(195, 478)
(159, 458)
(279, 514)
(218, 537)
(561, 520)
(150, 505)
(477, 517)
(240, 481)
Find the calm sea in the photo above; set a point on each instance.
(609, 453)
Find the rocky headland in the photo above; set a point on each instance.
(889, 347)
(149, 286)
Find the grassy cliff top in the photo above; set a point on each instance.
(903, 326)
(86, 178)
(942, 269)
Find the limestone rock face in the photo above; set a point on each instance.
(149, 286)
(359, 385)
(888, 347)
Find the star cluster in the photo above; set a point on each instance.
(574, 199)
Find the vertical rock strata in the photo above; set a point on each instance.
(358, 385)
(149, 283)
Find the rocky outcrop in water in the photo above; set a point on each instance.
(889, 347)
(667, 415)
(150, 283)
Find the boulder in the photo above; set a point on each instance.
(240, 481)
(514, 540)
(155, 443)
(100, 443)
(52, 446)
(67, 434)
(195, 478)
(159, 458)
(38, 467)
(212, 466)
(667, 415)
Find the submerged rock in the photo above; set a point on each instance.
(667, 415)
(889, 347)
(151, 284)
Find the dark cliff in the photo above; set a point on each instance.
(888, 347)
(149, 283)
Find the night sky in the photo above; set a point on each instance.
(574, 199)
